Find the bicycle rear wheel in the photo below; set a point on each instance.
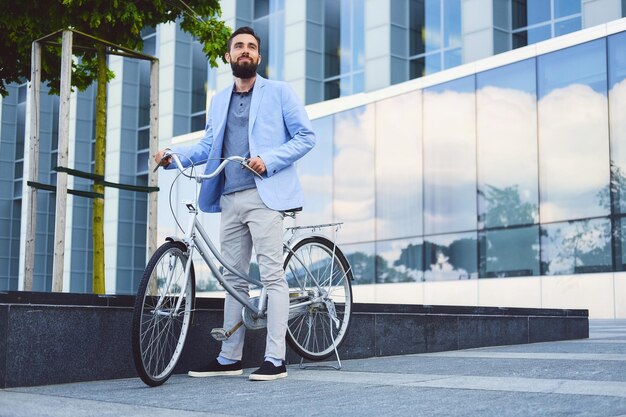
(162, 313)
(319, 279)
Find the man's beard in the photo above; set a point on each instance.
(245, 70)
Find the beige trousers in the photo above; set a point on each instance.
(246, 223)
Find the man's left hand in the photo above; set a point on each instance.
(257, 164)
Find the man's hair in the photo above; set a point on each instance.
(243, 30)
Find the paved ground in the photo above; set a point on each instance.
(574, 378)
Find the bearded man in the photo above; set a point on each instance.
(264, 120)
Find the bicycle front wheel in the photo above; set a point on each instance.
(162, 313)
(320, 291)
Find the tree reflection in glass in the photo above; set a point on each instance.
(450, 257)
(399, 261)
(450, 157)
(512, 252)
(576, 247)
(573, 131)
(507, 145)
(362, 260)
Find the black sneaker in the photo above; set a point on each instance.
(269, 372)
(214, 368)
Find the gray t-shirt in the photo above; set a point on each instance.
(236, 143)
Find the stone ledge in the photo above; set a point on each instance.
(48, 338)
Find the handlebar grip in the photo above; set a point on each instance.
(166, 155)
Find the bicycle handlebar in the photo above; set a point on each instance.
(199, 177)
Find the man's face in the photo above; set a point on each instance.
(244, 56)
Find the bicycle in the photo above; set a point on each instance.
(318, 274)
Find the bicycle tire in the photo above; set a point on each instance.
(159, 332)
(311, 331)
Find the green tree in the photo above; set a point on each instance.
(115, 21)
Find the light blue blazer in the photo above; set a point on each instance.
(279, 131)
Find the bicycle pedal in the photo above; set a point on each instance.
(219, 334)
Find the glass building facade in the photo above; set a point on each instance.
(509, 167)
(522, 178)
(512, 171)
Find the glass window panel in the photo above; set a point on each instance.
(398, 166)
(362, 260)
(315, 170)
(144, 94)
(143, 139)
(358, 83)
(345, 86)
(148, 30)
(276, 40)
(617, 104)
(199, 70)
(567, 26)
(353, 168)
(20, 134)
(331, 38)
(450, 157)
(519, 14)
(509, 252)
(19, 170)
(17, 189)
(424, 65)
(142, 161)
(452, 23)
(358, 35)
(262, 29)
(198, 122)
(576, 247)
(432, 24)
(539, 34)
(345, 36)
(450, 257)
(149, 44)
(331, 89)
(530, 36)
(573, 133)
(452, 58)
(416, 27)
(501, 10)
(507, 145)
(261, 8)
(21, 93)
(399, 260)
(519, 39)
(424, 26)
(564, 8)
(529, 12)
(54, 143)
(537, 11)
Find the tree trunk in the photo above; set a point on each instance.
(100, 158)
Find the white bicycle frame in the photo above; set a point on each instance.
(200, 241)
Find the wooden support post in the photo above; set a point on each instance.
(64, 133)
(33, 166)
(153, 178)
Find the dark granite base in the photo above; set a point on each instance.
(56, 338)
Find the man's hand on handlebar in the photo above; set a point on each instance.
(161, 159)
(257, 165)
